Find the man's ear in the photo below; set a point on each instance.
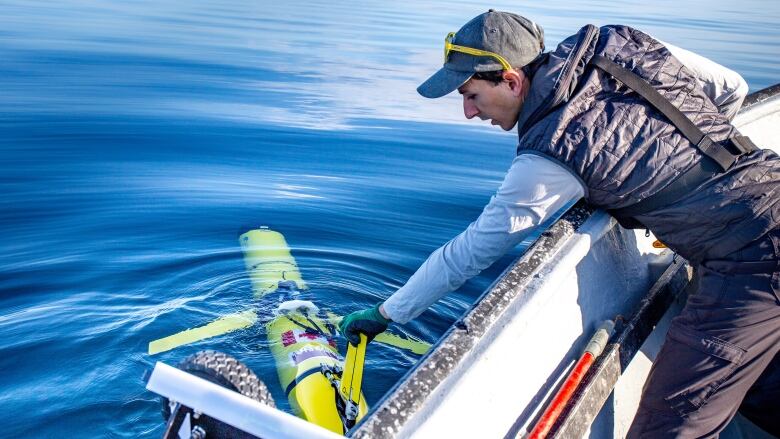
(515, 81)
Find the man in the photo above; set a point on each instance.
(657, 150)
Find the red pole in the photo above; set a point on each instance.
(562, 397)
(594, 348)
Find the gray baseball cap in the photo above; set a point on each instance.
(517, 39)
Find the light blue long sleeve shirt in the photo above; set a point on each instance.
(533, 189)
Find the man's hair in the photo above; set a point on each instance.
(495, 76)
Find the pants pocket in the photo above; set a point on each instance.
(690, 368)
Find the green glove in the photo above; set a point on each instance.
(368, 321)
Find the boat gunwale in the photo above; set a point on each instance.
(409, 394)
(760, 96)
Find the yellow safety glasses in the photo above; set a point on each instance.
(449, 47)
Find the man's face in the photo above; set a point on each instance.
(501, 103)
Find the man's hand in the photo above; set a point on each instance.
(368, 321)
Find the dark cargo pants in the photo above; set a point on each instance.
(721, 352)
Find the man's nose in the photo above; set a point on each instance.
(469, 109)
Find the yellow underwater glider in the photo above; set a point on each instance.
(320, 385)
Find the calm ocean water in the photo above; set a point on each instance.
(139, 138)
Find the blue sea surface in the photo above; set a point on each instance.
(139, 138)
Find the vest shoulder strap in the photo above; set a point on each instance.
(717, 157)
(713, 150)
